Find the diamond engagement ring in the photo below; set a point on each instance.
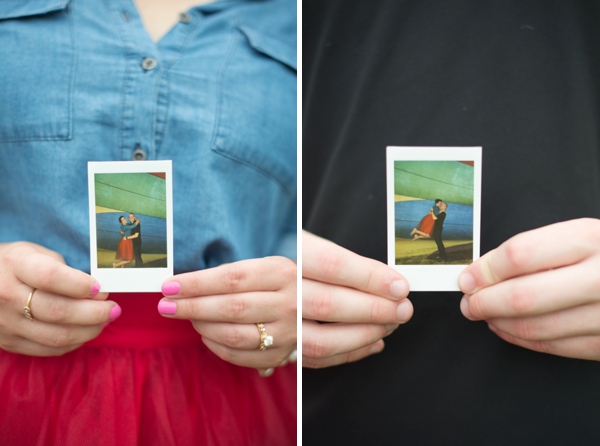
(27, 308)
(265, 340)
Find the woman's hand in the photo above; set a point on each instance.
(362, 299)
(541, 289)
(225, 304)
(67, 308)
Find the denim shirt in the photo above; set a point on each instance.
(83, 81)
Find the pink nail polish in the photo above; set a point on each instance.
(171, 288)
(115, 312)
(167, 307)
(95, 289)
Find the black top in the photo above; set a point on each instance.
(137, 230)
(516, 77)
(438, 226)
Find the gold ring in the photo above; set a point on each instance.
(265, 340)
(27, 308)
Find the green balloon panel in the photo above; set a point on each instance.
(140, 193)
(450, 181)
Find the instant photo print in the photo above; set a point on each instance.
(131, 224)
(433, 209)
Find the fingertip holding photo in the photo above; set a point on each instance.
(466, 282)
(170, 288)
(433, 213)
(398, 289)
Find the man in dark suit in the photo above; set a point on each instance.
(136, 237)
(438, 228)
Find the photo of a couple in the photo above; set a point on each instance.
(123, 202)
(130, 246)
(432, 225)
(433, 205)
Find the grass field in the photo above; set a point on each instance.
(107, 258)
(423, 252)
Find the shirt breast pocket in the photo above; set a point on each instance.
(256, 115)
(37, 63)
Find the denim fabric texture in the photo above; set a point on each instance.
(83, 81)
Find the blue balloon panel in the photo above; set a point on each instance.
(154, 232)
(457, 226)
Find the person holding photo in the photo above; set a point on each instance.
(212, 87)
(514, 358)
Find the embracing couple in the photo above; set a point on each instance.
(130, 245)
(433, 225)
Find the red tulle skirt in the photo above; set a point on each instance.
(124, 250)
(146, 380)
(426, 224)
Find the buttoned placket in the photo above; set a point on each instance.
(145, 94)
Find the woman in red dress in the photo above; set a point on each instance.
(425, 227)
(125, 246)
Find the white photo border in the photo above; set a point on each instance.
(132, 280)
(432, 277)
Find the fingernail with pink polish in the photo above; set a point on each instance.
(95, 289)
(171, 288)
(115, 312)
(167, 307)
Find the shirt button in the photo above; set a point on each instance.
(149, 63)
(138, 155)
(185, 17)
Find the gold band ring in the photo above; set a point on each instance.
(265, 340)
(27, 308)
